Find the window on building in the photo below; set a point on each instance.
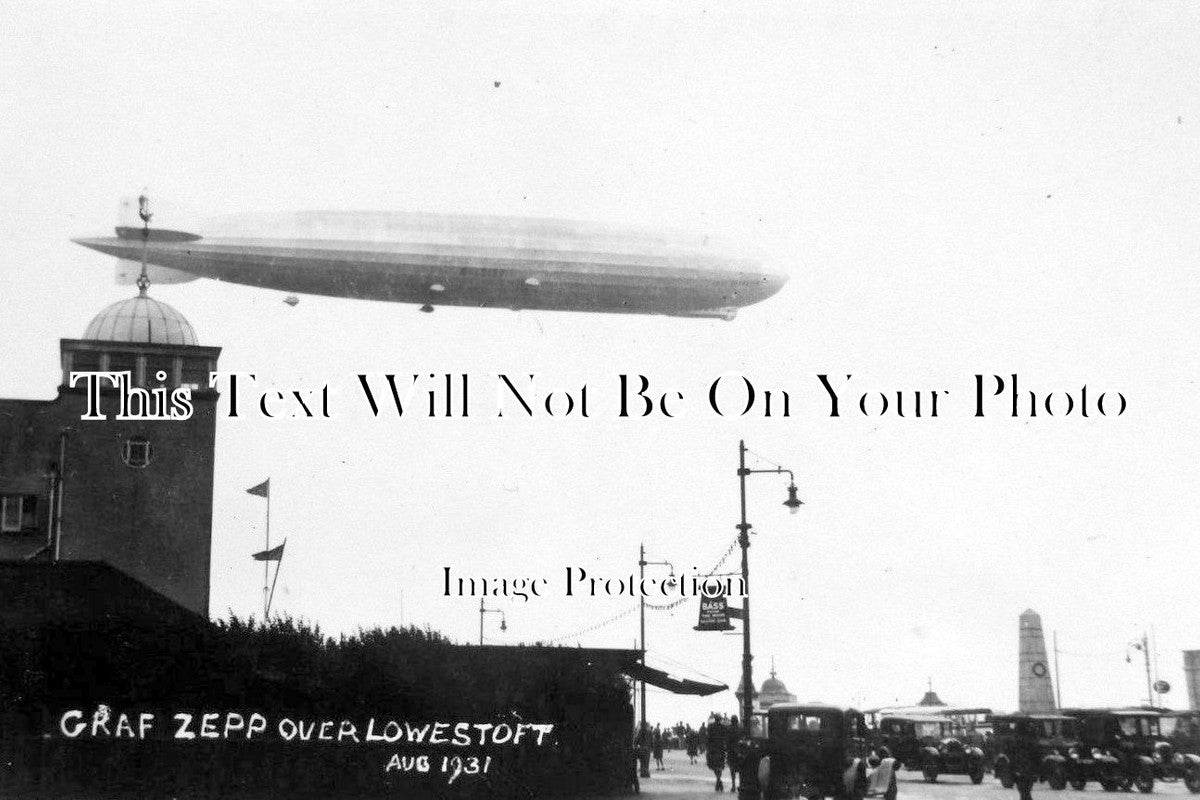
(18, 512)
(157, 364)
(137, 452)
(85, 361)
(123, 362)
(194, 373)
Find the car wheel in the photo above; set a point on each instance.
(1191, 778)
(1125, 783)
(976, 774)
(1057, 778)
(1110, 785)
(1078, 784)
(1145, 779)
(930, 772)
(1006, 780)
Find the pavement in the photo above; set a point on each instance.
(683, 781)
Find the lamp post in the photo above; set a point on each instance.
(642, 564)
(793, 504)
(1144, 645)
(482, 611)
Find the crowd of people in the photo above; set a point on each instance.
(719, 741)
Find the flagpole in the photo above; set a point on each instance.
(267, 564)
(271, 597)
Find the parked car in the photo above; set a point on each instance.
(1055, 738)
(815, 751)
(932, 745)
(1128, 736)
(1172, 754)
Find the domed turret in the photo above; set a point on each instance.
(141, 319)
(773, 685)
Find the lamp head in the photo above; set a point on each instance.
(503, 624)
(671, 581)
(793, 502)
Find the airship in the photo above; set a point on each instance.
(431, 260)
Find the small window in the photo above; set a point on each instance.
(18, 513)
(802, 722)
(123, 362)
(137, 452)
(85, 361)
(157, 364)
(194, 373)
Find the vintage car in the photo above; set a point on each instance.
(932, 745)
(815, 751)
(1055, 738)
(1173, 750)
(1125, 734)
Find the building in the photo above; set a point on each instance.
(1191, 672)
(773, 692)
(134, 494)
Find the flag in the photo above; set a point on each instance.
(262, 490)
(274, 554)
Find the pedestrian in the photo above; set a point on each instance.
(692, 740)
(1025, 758)
(714, 755)
(658, 748)
(733, 751)
(641, 744)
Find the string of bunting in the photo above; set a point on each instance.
(720, 563)
(654, 606)
(591, 628)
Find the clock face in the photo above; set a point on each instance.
(1039, 669)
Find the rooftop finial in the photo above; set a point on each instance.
(143, 281)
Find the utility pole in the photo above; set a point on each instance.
(1143, 644)
(482, 611)
(793, 504)
(744, 542)
(644, 770)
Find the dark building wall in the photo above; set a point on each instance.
(29, 431)
(154, 523)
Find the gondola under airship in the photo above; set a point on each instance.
(454, 260)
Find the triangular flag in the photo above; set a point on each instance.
(274, 554)
(262, 490)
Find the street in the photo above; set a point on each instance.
(683, 781)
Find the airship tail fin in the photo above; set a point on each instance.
(127, 273)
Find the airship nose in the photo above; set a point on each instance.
(772, 282)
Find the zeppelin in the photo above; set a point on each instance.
(454, 260)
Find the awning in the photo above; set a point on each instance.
(656, 677)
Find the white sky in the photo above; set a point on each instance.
(955, 189)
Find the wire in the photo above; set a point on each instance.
(597, 626)
(651, 606)
(761, 457)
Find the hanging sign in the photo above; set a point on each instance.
(714, 614)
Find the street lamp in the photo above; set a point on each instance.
(1144, 645)
(642, 564)
(793, 504)
(482, 611)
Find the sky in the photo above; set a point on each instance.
(953, 189)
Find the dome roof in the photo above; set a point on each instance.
(773, 685)
(141, 319)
